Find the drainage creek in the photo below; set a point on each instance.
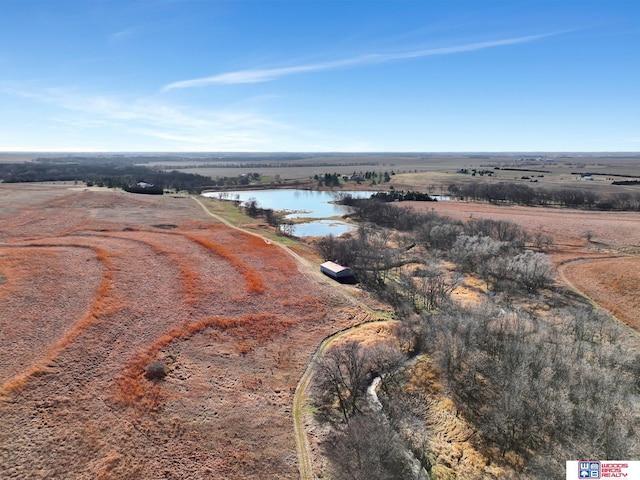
(419, 473)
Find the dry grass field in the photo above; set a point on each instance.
(414, 171)
(99, 284)
(613, 230)
(613, 283)
(555, 172)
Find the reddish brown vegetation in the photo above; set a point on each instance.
(101, 304)
(254, 283)
(567, 227)
(613, 283)
(93, 293)
(133, 390)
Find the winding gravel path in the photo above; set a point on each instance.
(310, 270)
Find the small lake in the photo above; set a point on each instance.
(311, 204)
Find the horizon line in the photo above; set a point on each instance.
(334, 152)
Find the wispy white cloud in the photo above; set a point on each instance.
(149, 123)
(121, 35)
(265, 75)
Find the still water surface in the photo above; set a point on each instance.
(302, 204)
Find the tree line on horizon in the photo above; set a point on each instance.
(110, 175)
(519, 194)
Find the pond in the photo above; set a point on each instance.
(311, 204)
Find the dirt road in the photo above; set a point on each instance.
(369, 316)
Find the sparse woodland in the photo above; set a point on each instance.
(531, 374)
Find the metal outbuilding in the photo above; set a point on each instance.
(336, 271)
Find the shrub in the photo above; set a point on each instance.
(156, 371)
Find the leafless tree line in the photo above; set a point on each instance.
(362, 445)
(546, 389)
(543, 389)
(521, 194)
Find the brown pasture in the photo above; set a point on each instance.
(97, 285)
(613, 283)
(613, 230)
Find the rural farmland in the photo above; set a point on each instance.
(97, 286)
(147, 334)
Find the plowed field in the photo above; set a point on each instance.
(96, 285)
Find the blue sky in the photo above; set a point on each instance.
(431, 76)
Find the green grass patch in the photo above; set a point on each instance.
(234, 215)
(283, 239)
(227, 210)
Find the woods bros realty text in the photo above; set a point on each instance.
(603, 469)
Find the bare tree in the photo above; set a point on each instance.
(469, 252)
(367, 449)
(542, 241)
(409, 289)
(342, 375)
(328, 247)
(532, 269)
(435, 286)
(443, 236)
(252, 208)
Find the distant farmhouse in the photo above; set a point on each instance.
(144, 187)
